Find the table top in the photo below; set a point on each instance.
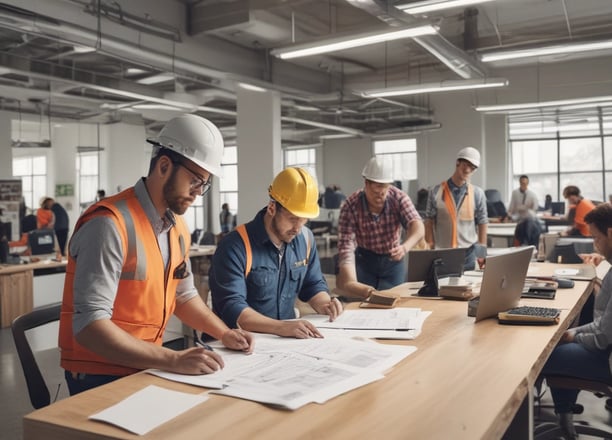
(202, 250)
(465, 381)
(45, 263)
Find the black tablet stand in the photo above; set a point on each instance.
(430, 286)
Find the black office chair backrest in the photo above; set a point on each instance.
(208, 238)
(493, 195)
(37, 388)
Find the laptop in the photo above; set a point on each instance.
(502, 282)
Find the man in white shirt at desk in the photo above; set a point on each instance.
(522, 209)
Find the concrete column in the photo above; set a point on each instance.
(259, 148)
(6, 153)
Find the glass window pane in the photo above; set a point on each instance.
(608, 193)
(543, 184)
(230, 155)
(39, 165)
(608, 153)
(530, 157)
(21, 166)
(394, 146)
(229, 181)
(583, 154)
(590, 184)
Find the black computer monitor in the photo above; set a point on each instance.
(557, 208)
(41, 241)
(429, 265)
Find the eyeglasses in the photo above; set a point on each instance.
(197, 184)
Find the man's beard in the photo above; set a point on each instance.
(175, 203)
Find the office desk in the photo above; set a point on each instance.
(16, 287)
(465, 381)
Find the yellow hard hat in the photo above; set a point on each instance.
(296, 191)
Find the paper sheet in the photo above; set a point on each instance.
(398, 319)
(148, 408)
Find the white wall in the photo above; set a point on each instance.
(343, 160)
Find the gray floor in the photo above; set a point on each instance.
(15, 402)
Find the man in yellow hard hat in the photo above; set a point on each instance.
(260, 268)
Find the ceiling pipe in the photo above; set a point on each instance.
(454, 58)
(29, 22)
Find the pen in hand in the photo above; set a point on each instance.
(204, 346)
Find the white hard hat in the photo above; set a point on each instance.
(195, 138)
(378, 170)
(471, 155)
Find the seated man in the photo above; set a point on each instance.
(581, 207)
(584, 351)
(260, 268)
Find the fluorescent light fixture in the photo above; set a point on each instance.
(251, 87)
(156, 79)
(442, 86)
(545, 50)
(349, 41)
(565, 103)
(436, 5)
(82, 49)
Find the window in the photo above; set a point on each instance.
(87, 174)
(228, 187)
(560, 148)
(304, 158)
(403, 156)
(33, 173)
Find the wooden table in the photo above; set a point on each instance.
(16, 288)
(465, 381)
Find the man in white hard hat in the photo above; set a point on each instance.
(456, 214)
(370, 250)
(260, 268)
(129, 270)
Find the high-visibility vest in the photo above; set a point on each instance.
(146, 292)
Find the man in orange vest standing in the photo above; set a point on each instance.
(260, 268)
(129, 271)
(456, 213)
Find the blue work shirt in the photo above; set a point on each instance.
(273, 282)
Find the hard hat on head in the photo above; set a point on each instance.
(471, 155)
(378, 170)
(296, 190)
(194, 138)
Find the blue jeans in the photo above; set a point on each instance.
(575, 360)
(378, 270)
(84, 382)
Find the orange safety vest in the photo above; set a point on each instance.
(146, 293)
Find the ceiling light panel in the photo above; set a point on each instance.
(347, 42)
(436, 5)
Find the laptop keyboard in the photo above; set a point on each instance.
(530, 315)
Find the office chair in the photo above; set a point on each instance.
(552, 430)
(37, 388)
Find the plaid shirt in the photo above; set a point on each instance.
(357, 227)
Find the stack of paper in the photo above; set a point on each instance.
(293, 372)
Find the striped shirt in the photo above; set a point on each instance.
(379, 233)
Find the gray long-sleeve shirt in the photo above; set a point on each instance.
(597, 335)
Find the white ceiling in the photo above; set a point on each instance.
(205, 48)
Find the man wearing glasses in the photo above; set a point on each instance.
(260, 268)
(129, 270)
